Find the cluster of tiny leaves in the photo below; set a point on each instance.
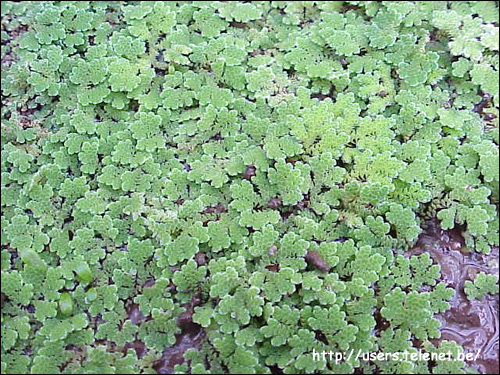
(273, 160)
(482, 285)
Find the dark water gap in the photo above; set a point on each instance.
(472, 324)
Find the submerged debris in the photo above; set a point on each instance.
(201, 258)
(314, 259)
(135, 315)
(138, 346)
(249, 172)
(274, 203)
(272, 251)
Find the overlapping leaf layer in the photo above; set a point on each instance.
(262, 166)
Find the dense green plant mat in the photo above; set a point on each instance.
(260, 168)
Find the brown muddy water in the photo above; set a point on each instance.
(472, 324)
(191, 337)
(175, 354)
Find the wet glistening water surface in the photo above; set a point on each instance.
(472, 324)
